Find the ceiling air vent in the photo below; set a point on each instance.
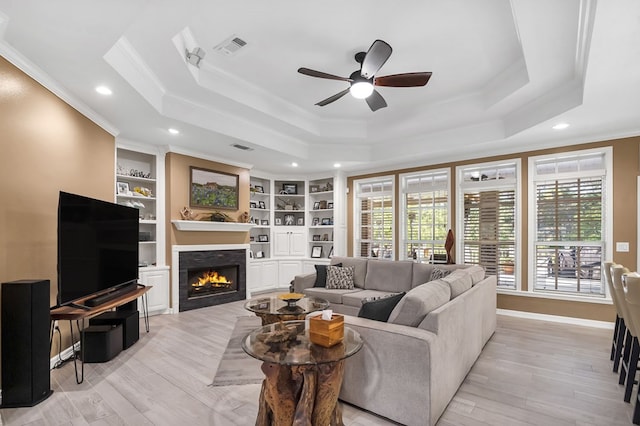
(231, 45)
(241, 147)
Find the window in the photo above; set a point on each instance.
(568, 195)
(488, 217)
(374, 218)
(425, 216)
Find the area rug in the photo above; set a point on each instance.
(236, 367)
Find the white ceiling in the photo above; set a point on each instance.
(504, 72)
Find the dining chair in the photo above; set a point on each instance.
(629, 361)
(631, 286)
(620, 328)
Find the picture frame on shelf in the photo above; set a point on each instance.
(326, 221)
(325, 237)
(316, 252)
(278, 221)
(259, 254)
(289, 220)
(252, 239)
(250, 254)
(264, 222)
(253, 205)
(122, 188)
(300, 221)
(323, 204)
(330, 253)
(259, 188)
(316, 221)
(290, 188)
(263, 238)
(316, 205)
(261, 205)
(330, 204)
(314, 188)
(316, 238)
(210, 189)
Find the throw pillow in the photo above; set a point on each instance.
(381, 308)
(340, 278)
(321, 275)
(438, 273)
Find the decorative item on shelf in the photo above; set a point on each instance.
(316, 221)
(323, 204)
(145, 192)
(259, 189)
(286, 204)
(253, 205)
(314, 188)
(327, 329)
(136, 173)
(325, 237)
(326, 221)
(264, 222)
(330, 204)
(316, 251)
(290, 188)
(316, 238)
(244, 217)
(261, 205)
(259, 254)
(187, 214)
(263, 238)
(316, 205)
(289, 219)
(330, 253)
(278, 221)
(123, 188)
(300, 221)
(327, 187)
(213, 190)
(220, 217)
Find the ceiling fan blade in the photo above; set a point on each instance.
(376, 101)
(375, 58)
(409, 79)
(319, 74)
(333, 98)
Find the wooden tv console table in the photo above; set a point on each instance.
(79, 315)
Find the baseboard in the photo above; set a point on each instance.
(557, 318)
(67, 353)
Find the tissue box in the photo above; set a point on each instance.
(326, 332)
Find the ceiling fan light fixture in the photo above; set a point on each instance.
(361, 89)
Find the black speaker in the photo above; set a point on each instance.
(25, 343)
(128, 319)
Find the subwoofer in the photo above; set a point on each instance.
(25, 343)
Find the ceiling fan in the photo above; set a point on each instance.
(362, 81)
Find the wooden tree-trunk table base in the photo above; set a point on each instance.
(273, 318)
(301, 395)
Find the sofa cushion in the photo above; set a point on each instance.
(459, 281)
(419, 301)
(356, 299)
(360, 268)
(386, 275)
(477, 273)
(380, 309)
(321, 275)
(340, 278)
(334, 297)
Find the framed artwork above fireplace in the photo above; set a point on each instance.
(209, 189)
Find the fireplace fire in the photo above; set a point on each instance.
(211, 277)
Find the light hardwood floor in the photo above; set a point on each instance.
(530, 373)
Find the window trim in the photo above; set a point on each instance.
(608, 220)
(516, 185)
(403, 207)
(356, 212)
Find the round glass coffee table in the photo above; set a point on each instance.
(272, 309)
(302, 379)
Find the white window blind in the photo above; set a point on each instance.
(425, 216)
(569, 232)
(489, 218)
(374, 218)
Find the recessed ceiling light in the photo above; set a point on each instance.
(560, 126)
(294, 164)
(103, 90)
(174, 131)
(336, 165)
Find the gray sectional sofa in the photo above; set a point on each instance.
(410, 367)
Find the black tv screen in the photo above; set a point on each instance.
(97, 246)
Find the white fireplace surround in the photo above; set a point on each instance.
(175, 259)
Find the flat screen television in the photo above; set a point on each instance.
(97, 247)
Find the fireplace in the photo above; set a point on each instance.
(211, 277)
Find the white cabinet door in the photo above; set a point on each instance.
(281, 243)
(297, 243)
(287, 270)
(158, 296)
(289, 243)
(262, 276)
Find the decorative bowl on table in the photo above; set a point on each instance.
(290, 298)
